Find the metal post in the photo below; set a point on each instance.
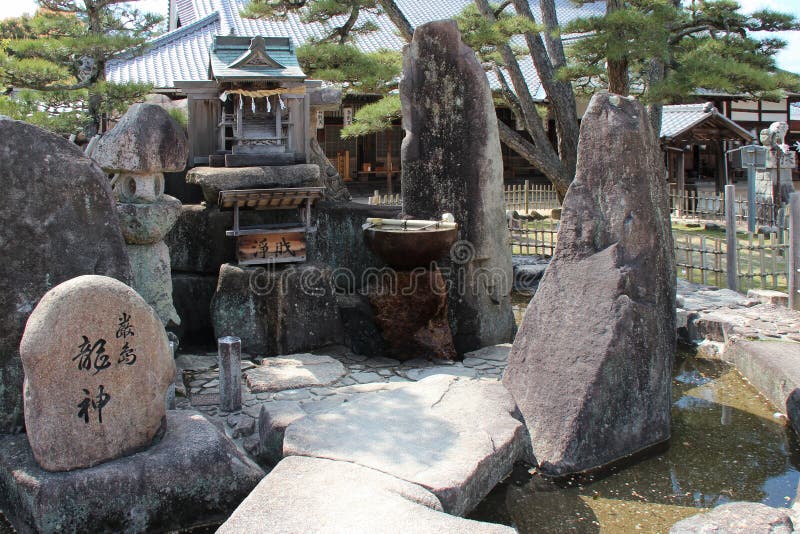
(230, 373)
(751, 198)
(794, 251)
(730, 235)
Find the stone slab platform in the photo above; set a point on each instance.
(193, 476)
(324, 496)
(456, 437)
(773, 367)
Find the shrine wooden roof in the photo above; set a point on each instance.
(688, 123)
(253, 58)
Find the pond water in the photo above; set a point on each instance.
(727, 445)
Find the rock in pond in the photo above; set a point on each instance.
(590, 368)
(744, 517)
(325, 496)
(456, 437)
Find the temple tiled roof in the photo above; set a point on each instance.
(183, 54)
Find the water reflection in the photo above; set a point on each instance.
(726, 446)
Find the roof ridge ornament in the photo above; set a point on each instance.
(256, 56)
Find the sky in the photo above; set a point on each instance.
(788, 58)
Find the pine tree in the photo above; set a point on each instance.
(664, 51)
(335, 58)
(55, 61)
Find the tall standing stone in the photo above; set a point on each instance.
(97, 366)
(452, 163)
(146, 143)
(590, 368)
(57, 221)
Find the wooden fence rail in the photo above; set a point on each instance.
(527, 197)
(762, 261)
(708, 206)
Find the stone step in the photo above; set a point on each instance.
(773, 367)
(325, 496)
(454, 436)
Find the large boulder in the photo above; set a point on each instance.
(452, 163)
(146, 140)
(97, 366)
(277, 310)
(590, 367)
(57, 221)
(194, 476)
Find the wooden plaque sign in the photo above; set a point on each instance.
(254, 249)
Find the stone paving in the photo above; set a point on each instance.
(200, 381)
(716, 316)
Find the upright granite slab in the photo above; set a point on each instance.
(452, 163)
(97, 366)
(456, 437)
(193, 476)
(326, 497)
(57, 221)
(590, 368)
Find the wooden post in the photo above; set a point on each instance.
(751, 198)
(681, 183)
(794, 251)
(526, 192)
(230, 373)
(389, 161)
(730, 234)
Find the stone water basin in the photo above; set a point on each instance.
(727, 445)
(407, 247)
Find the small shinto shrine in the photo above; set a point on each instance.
(253, 110)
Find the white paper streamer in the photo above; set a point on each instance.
(241, 102)
(224, 96)
(280, 101)
(269, 107)
(253, 104)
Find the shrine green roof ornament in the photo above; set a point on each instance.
(235, 58)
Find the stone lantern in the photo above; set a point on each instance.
(146, 143)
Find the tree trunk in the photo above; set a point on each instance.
(398, 18)
(547, 60)
(617, 67)
(558, 175)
